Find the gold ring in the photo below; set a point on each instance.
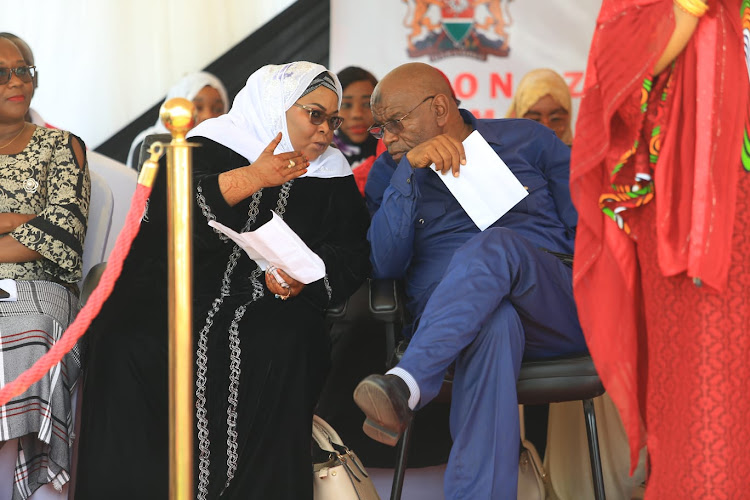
(288, 294)
(291, 164)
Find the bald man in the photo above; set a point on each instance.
(483, 300)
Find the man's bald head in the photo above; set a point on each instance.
(414, 79)
(414, 103)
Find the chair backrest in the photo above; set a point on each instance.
(122, 181)
(99, 222)
(147, 142)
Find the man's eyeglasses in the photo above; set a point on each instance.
(24, 73)
(317, 117)
(394, 126)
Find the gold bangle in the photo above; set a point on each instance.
(693, 7)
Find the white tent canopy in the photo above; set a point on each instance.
(103, 63)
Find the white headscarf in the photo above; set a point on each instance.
(188, 87)
(259, 113)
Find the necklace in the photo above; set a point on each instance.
(15, 137)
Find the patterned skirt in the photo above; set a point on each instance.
(42, 417)
(697, 394)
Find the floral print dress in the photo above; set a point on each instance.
(44, 179)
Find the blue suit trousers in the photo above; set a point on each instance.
(500, 301)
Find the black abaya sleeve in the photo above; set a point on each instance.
(344, 248)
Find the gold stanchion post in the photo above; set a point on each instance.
(178, 116)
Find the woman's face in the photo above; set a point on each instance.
(355, 109)
(551, 114)
(15, 96)
(310, 139)
(208, 104)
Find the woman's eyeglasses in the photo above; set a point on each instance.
(317, 117)
(24, 73)
(395, 127)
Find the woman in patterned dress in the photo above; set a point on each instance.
(661, 182)
(44, 200)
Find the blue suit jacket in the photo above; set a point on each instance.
(417, 224)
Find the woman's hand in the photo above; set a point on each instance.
(268, 170)
(10, 221)
(10, 249)
(274, 170)
(295, 287)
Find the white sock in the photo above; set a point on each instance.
(410, 383)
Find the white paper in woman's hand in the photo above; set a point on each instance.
(275, 243)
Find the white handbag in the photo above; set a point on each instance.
(533, 481)
(342, 476)
(531, 475)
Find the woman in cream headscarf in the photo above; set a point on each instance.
(207, 93)
(262, 350)
(543, 96)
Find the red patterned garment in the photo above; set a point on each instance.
(362, 170)
(662, 262)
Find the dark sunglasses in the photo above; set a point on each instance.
(24, 73)
(395, 127)
(317, 117)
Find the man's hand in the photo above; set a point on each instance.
(444, 151)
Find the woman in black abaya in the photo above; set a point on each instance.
(261, 350)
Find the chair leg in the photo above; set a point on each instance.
(594, 456)
(403, 456)
(390, 345)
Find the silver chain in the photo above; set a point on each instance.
(206, 210)
(234, 346)
(144, 217)
(327, 285)
(283, 198)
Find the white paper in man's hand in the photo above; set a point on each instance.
(485, 187)
(275, 243)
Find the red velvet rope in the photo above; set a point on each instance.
(94, 304)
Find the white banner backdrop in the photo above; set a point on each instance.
(483, 46)
(103, 63)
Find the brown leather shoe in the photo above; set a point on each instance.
(385, 401)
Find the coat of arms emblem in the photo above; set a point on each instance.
(469, 28)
